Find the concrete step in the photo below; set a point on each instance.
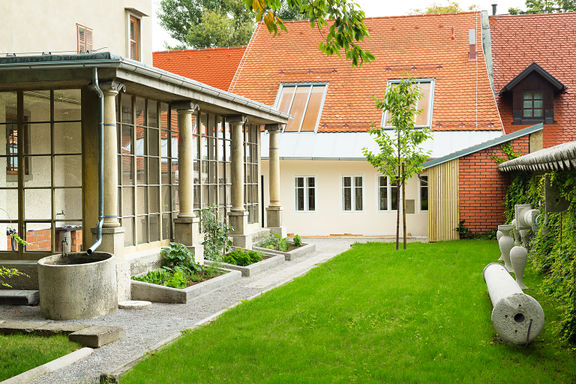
(97, 335)
(19, 297)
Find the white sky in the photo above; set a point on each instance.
(372, 8)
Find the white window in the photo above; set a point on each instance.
(134, 38)
(305, 193)
(303, 101)
(387, 198)
(352, 193)
(423, 192)
(424, 118)
(83, 39)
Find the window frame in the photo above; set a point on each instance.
(306, 189)
(296, 85)
(420, 186)
(432, 82)
(88, 43)
(133, 19)
(389, 191)
(352, 194)
(533, 109)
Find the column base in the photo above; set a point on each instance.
(187, 232)
(274, 216)
(113, 242)
(240, 236)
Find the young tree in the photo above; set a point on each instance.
(400, 156)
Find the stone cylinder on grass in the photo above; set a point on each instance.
(516, 317)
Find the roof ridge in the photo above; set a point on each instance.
(556, 14)
(393, 16)
(200, 49)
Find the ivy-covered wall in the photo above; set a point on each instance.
(553, 249)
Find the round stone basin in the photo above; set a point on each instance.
(77, 285)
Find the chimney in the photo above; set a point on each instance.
(472, 54)
(494, 6)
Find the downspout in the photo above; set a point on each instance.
(100, 165)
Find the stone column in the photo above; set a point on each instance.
(112, 232)
(274, 210)
(186, 225)
(238, 216)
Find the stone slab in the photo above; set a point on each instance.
(269, 262)
(59, 328)
(97, 335)
(134, 304)
(14, 326)
(19, 297)
(52, 366)
(305, 249)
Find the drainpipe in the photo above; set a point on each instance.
(100, 166)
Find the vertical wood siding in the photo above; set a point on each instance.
(443, 215)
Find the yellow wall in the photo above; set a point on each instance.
(50, 25)
(329, 217)
(443, 199)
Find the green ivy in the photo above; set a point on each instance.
(553, 248)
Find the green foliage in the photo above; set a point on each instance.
(276, 242)
(465, 233)
(508, 151)
(450, 7)
(545, 6)
(207, 23)
(297, 241)
(178, 255)
(242, 257)
(216, 234)
(343, 18)
(553, 247)
(9, 273)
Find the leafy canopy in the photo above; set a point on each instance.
(545, 6)
(450, 7)
(402, 144)
(345, 22)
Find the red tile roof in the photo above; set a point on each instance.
(212, 66)
(425, 46)
(550, 41)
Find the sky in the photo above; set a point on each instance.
(371, 8)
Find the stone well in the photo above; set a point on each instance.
(77, 285)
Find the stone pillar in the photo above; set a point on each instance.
(238, 216)
(186, 225)
(274, 210)
(112, 232)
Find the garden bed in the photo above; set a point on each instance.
(162, 294)
(269, 261)
(291, 254)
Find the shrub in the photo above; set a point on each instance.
(242, 257)
(297, 241)
(216, 234)
(178, 255)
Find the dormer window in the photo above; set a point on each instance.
(532, 105)
(425, 104)
(532, 93)
(304, 102)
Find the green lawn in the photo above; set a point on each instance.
(370, 315)
(19, 353)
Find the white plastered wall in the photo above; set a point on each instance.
(50, 25)
(329, 218)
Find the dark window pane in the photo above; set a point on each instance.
(299, 199)
(358, 199)
(311, 199)
(347, 199)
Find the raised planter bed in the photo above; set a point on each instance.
(269, 261)
(304, 250)
(161, 294)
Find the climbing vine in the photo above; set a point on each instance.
(553, 248)
(508, 151)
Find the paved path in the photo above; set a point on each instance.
(146, 329)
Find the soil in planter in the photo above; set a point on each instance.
(178, 277)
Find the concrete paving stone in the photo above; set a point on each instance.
(15, 326)
(97, 335)
(59, 328)
(134, 304)
(19, 297)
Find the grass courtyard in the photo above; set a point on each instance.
(370, 315)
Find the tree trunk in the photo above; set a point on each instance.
(404, 205)
(398, 197)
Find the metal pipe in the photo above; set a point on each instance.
(100, 165)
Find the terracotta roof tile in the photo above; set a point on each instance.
(550, 41)
(425, 46)
(212, 66)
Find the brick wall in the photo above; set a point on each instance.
(41, 240)
(482, 188)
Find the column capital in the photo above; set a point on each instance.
(185, 106)
(237, 119)
(274, 127)
(113, 87)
